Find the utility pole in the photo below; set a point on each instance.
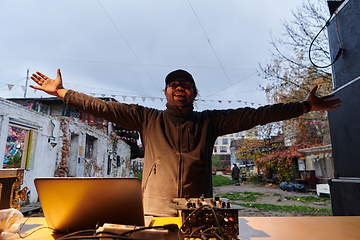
(27, 78)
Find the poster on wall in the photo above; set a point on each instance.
(20, 148)
(14, 146)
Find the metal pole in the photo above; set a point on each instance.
(27, 78)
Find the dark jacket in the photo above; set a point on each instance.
(235, 172)
(178, 144)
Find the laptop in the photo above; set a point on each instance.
(78, 203)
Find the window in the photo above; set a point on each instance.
(223, 149)
(45, 109)
(224, 141)
(90, 147)
(118, 162)
(215, 149)
(109, 165)
(20, 147)
(216, 142)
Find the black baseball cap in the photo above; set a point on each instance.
(179, 73)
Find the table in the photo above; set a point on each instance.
(255, 228)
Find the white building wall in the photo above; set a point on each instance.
(12, 113)
(74, 134)
(55, 161)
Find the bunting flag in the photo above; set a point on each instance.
(128, 139)
(127, 131)
(309, 122)
(35, 90)
(143, 98)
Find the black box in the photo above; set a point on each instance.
(345, 196)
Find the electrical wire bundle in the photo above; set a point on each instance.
(93, 234)
(204, 232)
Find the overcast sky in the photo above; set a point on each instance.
(124, 49)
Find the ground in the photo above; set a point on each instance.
(272, 195)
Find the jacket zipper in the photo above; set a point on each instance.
(151, 172)
(180, 159)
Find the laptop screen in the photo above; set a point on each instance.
(71, 204)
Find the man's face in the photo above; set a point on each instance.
(180, 92)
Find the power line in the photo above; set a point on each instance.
(232, 86)
(117, 29)
(222, 67)
(121, 63)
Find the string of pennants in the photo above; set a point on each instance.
(128, 139)
(306, 122)
(124, 97)
(125, 138)
(10, 86)
(162, 99)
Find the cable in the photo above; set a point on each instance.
(94, 234)
(232, 85)
(210, 232)
(167, 227)
(338, 54)
(217, 57)
(118, 30)
(35, 231)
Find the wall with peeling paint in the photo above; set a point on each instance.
(44, 154)
(107, 156)
(73, 158)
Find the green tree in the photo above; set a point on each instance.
(216, 164)
(291, 76)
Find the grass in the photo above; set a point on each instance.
(308, 199)
(221, 181)
(249, 199)
(138, 176)
(217, 180)
(304, 210)
(249, 196)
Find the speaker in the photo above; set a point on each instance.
(344, 31)
(345, 196)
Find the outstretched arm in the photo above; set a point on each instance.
(320, 103)
(50, 86)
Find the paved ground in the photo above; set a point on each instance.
(272, 195)
(32, 208)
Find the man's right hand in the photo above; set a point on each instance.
(51, 86)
